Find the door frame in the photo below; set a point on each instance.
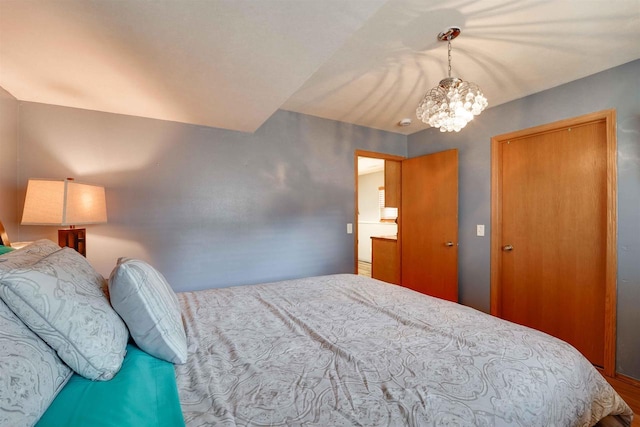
(374, 155)
(609, 117)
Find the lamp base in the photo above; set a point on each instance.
(74, 238)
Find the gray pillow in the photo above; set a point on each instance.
(150, 308)
(28, 255)
(60, 299)
(31, 374)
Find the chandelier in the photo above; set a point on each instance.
(453, 103)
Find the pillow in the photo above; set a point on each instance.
(150, 308)
(4, 249)
(60, 299)
(28, 255)
(31, 374)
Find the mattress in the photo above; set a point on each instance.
(348, 350)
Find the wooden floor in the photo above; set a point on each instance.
(364, 268)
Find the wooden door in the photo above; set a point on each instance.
(429, 224)
(392, 183)
(553, 233)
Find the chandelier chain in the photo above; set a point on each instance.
(449, 48)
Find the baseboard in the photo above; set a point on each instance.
(631, 381)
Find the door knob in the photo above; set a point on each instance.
(448, 244)
(507, 248)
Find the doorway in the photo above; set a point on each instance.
(553, 249)
(373, 216)
(423, 254)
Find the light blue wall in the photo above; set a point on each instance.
(8, 162)
(208, 207)
(617, 88)
(215, 208)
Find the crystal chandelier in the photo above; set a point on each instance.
(453, 103)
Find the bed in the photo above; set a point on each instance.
(327, 351)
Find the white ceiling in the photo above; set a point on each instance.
(367, 165)
(232, 63)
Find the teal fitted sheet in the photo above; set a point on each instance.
(143, 393)
(5, 249)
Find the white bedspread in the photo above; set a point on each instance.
(345, 350)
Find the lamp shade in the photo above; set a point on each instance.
(63, 202)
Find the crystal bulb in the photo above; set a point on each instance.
(451, 105)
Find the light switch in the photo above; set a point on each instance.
(349, 228)
(480, 230)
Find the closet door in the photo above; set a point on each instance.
(429, 224)
(552, 258)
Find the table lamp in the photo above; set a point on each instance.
(65, 203)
